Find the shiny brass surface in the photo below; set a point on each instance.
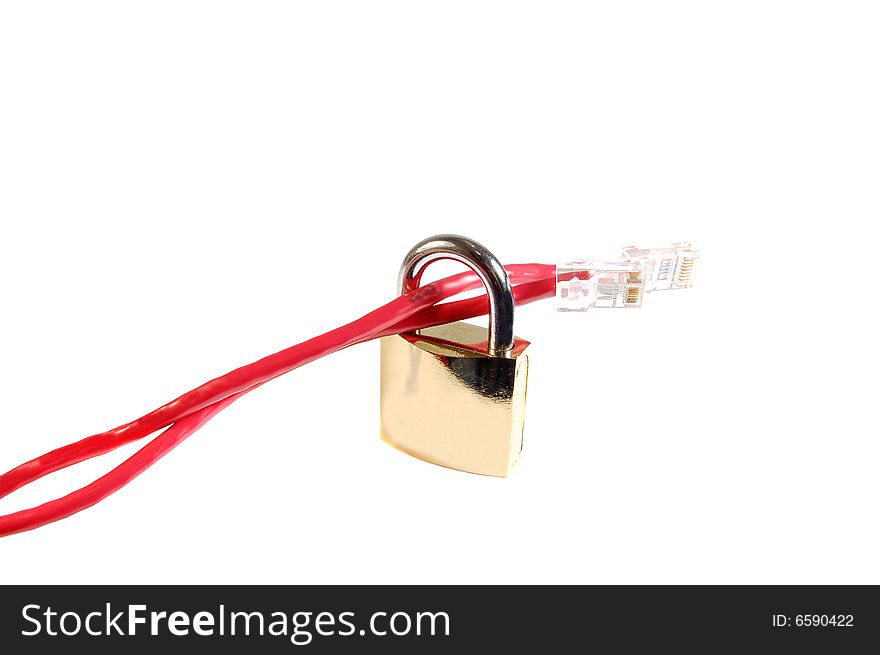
(446, 401)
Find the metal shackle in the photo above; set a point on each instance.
(480, 261)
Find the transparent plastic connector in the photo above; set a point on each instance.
(670, 266)
(595, 283)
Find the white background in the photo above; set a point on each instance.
(188, 186)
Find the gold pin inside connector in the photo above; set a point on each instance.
(633, 294)
(685, 271)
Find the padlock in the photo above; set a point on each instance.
(449, 396)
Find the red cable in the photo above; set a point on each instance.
(55, 510)
(192, 410)
(443, 313)
(266, 368)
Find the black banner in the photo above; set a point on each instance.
(438, 619)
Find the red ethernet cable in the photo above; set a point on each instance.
(420, 308)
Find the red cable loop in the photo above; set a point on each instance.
(186, 414)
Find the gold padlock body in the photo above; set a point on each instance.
(446, 401)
